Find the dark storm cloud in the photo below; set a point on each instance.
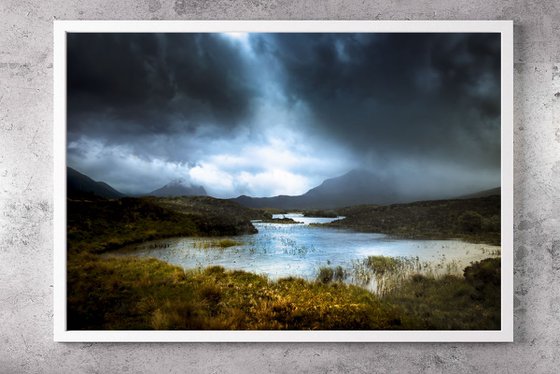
(266, 114)
(154, 83)
(435, 95)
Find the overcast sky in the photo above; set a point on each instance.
(268, 114)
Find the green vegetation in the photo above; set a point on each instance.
(129, 293)
(327, 274)
(389, 273)
(475, 220)
(226, 243)
(222, 243)
(471, 302)
(427, 300)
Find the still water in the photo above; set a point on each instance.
(300, 249)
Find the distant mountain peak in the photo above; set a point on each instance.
(356, 173)
(179, 187)
(179, 182)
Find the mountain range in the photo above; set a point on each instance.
(80, 186)
(357, 187)
(353, 188)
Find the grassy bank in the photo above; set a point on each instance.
(474, 220)
(103, 225)
(129, 293)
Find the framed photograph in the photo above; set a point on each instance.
(283, 181)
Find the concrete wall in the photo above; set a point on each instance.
(26, 187)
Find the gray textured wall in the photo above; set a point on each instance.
(26, 187)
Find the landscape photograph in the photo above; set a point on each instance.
(283, 181)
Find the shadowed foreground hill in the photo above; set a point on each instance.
(213, 216)
(102, 225)
(475, 220)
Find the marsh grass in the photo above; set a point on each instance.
(291, 247)
(431, 295)
(216, 244)
(492, 252)
(327, 274)
(470, 301)
(384, 274)
(130, 293)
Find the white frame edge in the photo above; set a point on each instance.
(61, 334)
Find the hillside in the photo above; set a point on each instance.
(96, 226)
(485, 193)
(80, 186)
(213, 216)
(476, 220)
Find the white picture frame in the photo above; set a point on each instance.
(61, 28)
